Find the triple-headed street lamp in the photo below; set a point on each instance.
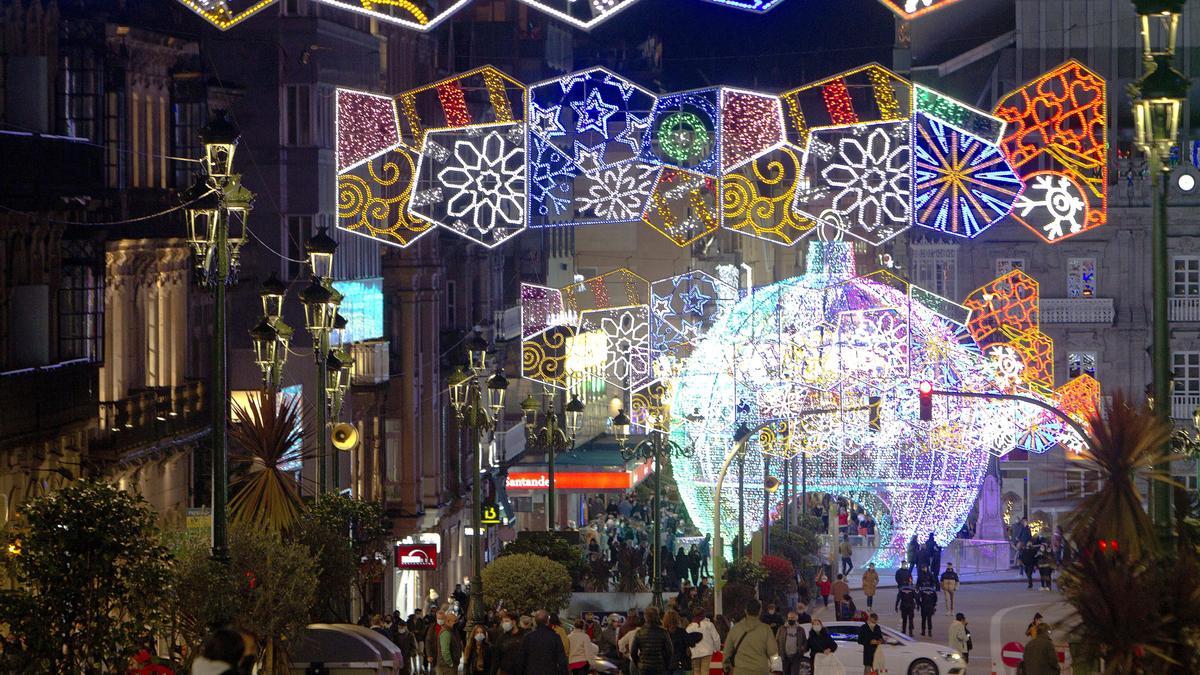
(1157, 107)
(217, 209)
(552, 438)
(480, 413)
(658, 447)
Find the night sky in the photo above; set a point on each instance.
(795, 43)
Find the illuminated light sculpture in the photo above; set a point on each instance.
(226, 14)
(472, 181)
(541, 308)
(756, 6)
(910, 9)
(620, 286)
(1056, 141)
(858, 179)
(579, 13)
(684, 132)
(367, 126)
(1037, 355)
(421, 15)
(684, 206)
(1003, 306)
(617, 194)
(751, 124)
(753, 367)
(683, 308)
(962, 185)
(650, 407)
(870, 93)
(483, 95)
(756, 198)
(373, 199)
(626, 332)
(982, 125)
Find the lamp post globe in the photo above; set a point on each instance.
(220, 138)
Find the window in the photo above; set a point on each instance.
(297, 128)
(79, 91)
(323, 131)
(451, 304)
(1186, 480)
(1081, 363)
(1081, 482)
(299, 229)
(80, 305)
(186, 123)
(1186, 366)
(1006, 265)
(1081, 278)
(1185, 276)
(935, 268)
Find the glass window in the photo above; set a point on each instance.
(80, 305)
(1081, 482)
(1081, 278)
(1187, 373)
(935, 268)
(1185, 275)
(1081, 363)
(299, 229)
(1006, 265)
(297, 115)
(451, 304)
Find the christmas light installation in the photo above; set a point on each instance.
(870, 93)
(420, 15)
(472, 181)
(684, 132)
(756, 198)
(483, 95)
(682, 309)
(977, 123)
(226, 14)
(367, 126)
(1056, 141)
(910, 9)
(373, 199)
(684, 206)
(580, 13)
(756, 366)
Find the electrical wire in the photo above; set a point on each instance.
(109, 222)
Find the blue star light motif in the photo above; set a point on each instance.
(694, 301)
(593, 113)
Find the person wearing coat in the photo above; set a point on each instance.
(792, 643)
(1040, 655)
(870, 636)
(819, 642)
(443, 647)
(870, 583)
(542, 650)
(652, 650)
(580, 649)
(959, 635)
(710, 642)
(506, 649)
(477, 656)
(750, 644)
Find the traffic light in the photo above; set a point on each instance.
(873, 412)
(925, 392)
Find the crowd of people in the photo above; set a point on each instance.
(619, 534)
(1038, 553)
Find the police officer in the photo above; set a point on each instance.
(906, 604)
(927, 599)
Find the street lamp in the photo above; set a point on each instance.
(215, 202)
(1157, 105)
(271, 355)
(658, 447)
(481, 417)
(553, 439)
(320, 312)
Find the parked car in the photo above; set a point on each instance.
(905, 656)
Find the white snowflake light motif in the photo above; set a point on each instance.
(627, 332)
(617, 194)
(1058, 201)
(858, 179)
(472, 181)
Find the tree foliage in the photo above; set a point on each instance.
(92, 575)
(525, 583)
(734, 596)
(344, 536)
(553, 547)
(746, 571)
(798, 545)
(267, 436)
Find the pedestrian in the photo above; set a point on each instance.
(225, 652)
(651, 649)
(960, 637)
(579, 649)
(446, 647)
(903, 574)
(823, 587)
(927, 599)
(1058, 544)
(870, 583)
(846, 551)
(723, 626)
(507, 654)
(1028, 557)
(913, 546)
(404, 639)
(870, 636)
(792, 643)
(772, 618)
(542, 650)
(906, 604)
(821, 647)
(377, 625)
(1034, 625)
(477, 655)
(625, 644)
(705, 554)
(681, 642)
(557, 627)
(802, 614)
(840, 590)
(849, 609)
(708, 644)
(949, 586)
(933, 553)
(750, 645)
(1040, 656)
(1045, 565)
(607, 642)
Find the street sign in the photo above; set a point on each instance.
(1013, 654)
(416, 556)
(489, 514)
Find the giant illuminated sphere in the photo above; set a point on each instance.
(827, 365)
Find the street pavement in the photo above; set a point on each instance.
(998, 607)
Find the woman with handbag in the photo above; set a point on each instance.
(822, 646)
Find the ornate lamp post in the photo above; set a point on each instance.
(658, 447)
(271, 336)
(320, 314)
(216, 218)
(552, 438)
(1157, 105)
(479, 412)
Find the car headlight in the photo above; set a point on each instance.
(950, 656)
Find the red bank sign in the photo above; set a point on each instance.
(416, 556)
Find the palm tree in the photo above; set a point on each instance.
(267, 437)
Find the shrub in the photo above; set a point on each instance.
(525, 583)
(746, 571)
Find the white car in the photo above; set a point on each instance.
(904, 655)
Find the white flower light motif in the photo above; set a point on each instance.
(487, 184)
(619, 193)
(628, 330)
(874, 180)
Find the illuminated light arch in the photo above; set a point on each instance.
(584, 15)
(870, 93)
(1056, 140)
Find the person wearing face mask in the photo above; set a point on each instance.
(506, 650)
(792, 644)
(477, 655)
(408, 646)
(870, 636)
(447, 648)
(821, 648)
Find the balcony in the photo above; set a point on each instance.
(1184, 309)
(151, 416)
(1183, 405)
(1077, 310)
(38, 402)
(370, 362)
